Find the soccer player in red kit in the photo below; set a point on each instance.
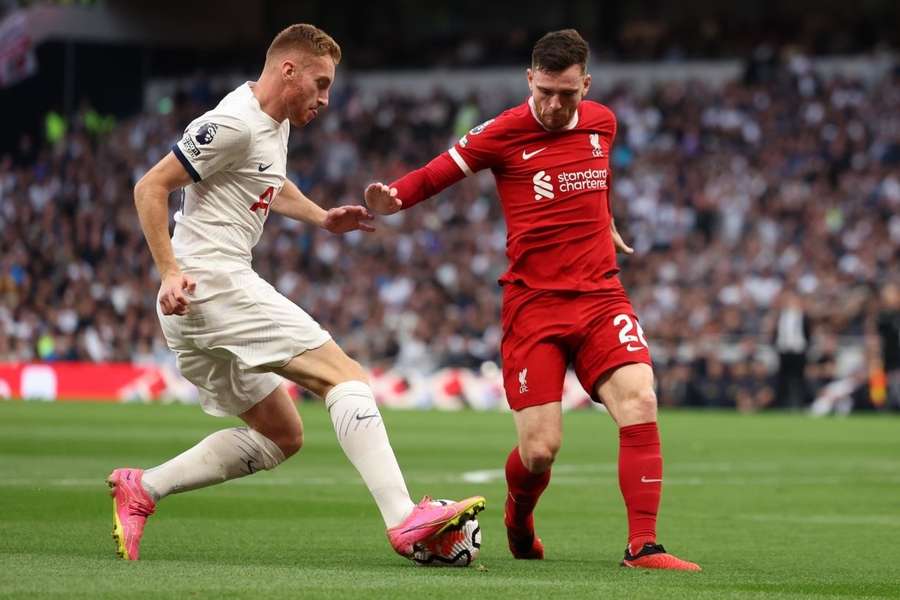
(562, 300)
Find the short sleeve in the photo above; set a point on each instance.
(212, 143)
(479, 149)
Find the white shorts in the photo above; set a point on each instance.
(237, 328)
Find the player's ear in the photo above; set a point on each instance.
(530, 76)
(288, 69)
(587, 83)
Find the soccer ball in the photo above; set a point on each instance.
(456, 547)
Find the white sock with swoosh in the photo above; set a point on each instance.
(220, 456)
(361, 434)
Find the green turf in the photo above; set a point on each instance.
(772, 506)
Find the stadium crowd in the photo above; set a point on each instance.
(781, 190)
(641, 32)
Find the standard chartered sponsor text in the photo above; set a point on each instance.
(588, 179)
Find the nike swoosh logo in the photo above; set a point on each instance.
(448, 514)
(631, 348)
(263, 168)
(364, 417)
(645, 480)
(527, 155)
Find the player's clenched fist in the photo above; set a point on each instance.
(174, 292)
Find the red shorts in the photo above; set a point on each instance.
(544, 331)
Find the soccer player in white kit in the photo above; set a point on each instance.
(234, 335)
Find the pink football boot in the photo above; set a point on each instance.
(131, 507)
(428, 519)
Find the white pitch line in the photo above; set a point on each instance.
(882, 520)
(713, 474)
(489, 475)
(579, 474)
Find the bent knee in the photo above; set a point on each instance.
(349, 371)
(354, 371)
(639, 406)
(538, 456)
(289, 442)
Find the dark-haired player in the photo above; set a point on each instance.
(562, 301)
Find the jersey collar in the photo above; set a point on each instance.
(573, 122)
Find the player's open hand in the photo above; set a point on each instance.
(382, 199)
(348, 218)
(619, 243)
(174, 292)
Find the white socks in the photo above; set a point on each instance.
(232, 453)
(223, 455)
(362, 436)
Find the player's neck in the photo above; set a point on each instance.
(266, 93)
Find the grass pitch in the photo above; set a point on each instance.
(772, 506)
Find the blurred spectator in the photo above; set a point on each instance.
(752, 389)
(862, 388)
(792, 339)
(822, 367)
(888, 324)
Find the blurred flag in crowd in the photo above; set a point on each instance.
(17, 58)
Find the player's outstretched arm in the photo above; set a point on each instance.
(151, 199)
(294, 204)
(413, 187)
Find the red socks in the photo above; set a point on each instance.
(640, 479)
(525, 488)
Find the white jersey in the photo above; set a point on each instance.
(236, 154)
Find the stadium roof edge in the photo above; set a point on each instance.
(129, 23)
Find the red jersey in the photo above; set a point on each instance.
(554, 187)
